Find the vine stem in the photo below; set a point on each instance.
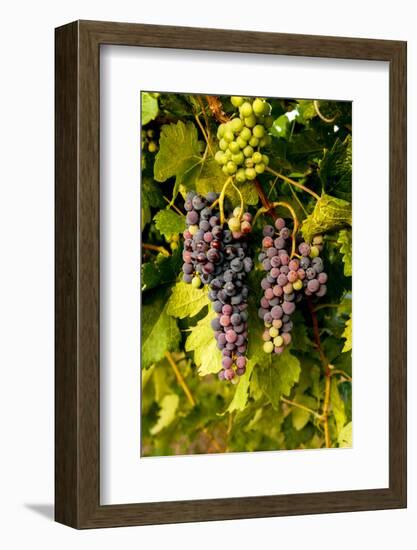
(320, 115)
(203, 132)
(327, 373)
(293, 182)
(156, 248)
(180, 378)
(172, 205)
(299, 406)
(342, 373)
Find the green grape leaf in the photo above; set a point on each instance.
(169, 223)
(347, 335)
(345, 436)
(300, 417)
(240, 398)
(336, 168)
(280, 127)
(150, 108)
(337, 405)
(151, 197)
(166, 415)
(345, 242)
(178, 150)
(201, 341)
(278, 376)
(163, 269)
(329, 214)
(306, 110)
(186, 301)
(159, 332)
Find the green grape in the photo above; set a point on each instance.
(150, 133)
(260, 168)
(297, 285)
(265, 159)
(268, 346)
(223, 144)
(220, 157)
(267, 109)
(220, 131)
(231, 167)
(249, 163)
(240, 175)
(238, 158)
(234, 224)
(258, 107)
(266, 140)
(254, 141)
(234, 147)
(152, 147)
(246, 109)
(273, 332)
(314, 252)
(224, 169)
(196, 282)
(250, 121)
(257, 157)
(245, 134)
(248, 151)
(250, 173)
(236, 101)
(278, 341)
(241, 142)
(259, 131)
(228, 136)
(236, 124)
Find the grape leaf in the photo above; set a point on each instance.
(151, 197)
(166, 415)
(345, 436)
(178, 149)
(240, 397)
(186, 301)
(347, 334)
(280, 127)
(300, 417)
(345, 242)
(337, 405)
(329, 214)
(278, 375)
(169, 223)
(163, 269)
(150, 108)
(336, 168)
(201, 341)
(159, 332)
(306, 110)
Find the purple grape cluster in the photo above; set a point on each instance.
(315, 277)
(284, 278)
(220, 258)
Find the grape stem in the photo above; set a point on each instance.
(342, 373)
(320, 115)
(300, 406)
(292, 182)
(272, 205)
(241, 200)
(156, 248)
(173, 205)
(206, 138)
(221, 199)
(180, 378)
(327, 372)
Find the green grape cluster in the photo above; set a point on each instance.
(242, 138)
(148, 141)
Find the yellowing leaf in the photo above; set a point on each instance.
(240, 397)
(166, 415)
(178, 145)
(169, 223)
(345, 436)
(159, 332)
(347, 334)
(187, 301)
(329, 214)
(201, 341)
(345, 242)
(150, 107)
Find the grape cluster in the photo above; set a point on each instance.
(315, 277)
(241, 140)
(219, 257)
(148, 141)
(284, 278)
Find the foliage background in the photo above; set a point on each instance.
(279, 402)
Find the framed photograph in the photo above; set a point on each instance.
(230, 330)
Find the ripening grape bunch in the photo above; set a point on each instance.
(242, 138)
(219, 257)
(287, 278)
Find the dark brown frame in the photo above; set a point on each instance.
(77, 373)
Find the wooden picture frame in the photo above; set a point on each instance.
(77, 405)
